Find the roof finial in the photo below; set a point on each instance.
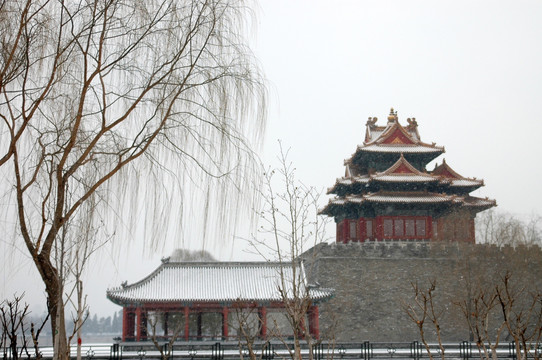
(393, 116)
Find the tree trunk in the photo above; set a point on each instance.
(55, 304)
(79, 322)
(61, 346)
(297, 348)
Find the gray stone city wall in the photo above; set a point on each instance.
(373, 282)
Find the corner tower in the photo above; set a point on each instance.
(387, 193)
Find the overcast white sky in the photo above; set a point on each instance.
(470, 72)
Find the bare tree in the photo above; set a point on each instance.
(503, 311)
(155, 319)
(247, 323)
(290, 225)
(12, 321)
(424, 309)
(501, 228)
(88, 88)
(521, 311)
(14, 329)
(478, 312)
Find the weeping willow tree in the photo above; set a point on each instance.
(121, 104)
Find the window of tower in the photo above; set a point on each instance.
(369, 229)
(403, 227)
(353, 229)
(388, 228)
(410, 229)
(398, 227)
(420, 227)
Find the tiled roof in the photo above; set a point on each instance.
(377, 131)
(225, 282)
(466, 182)
(394, 138)
(453, 178)
(479, 202)
(364, 179)
(408, 197)
(405, 149)
(397, 197)
(403, 171)
(375, 134)
(400, 172)
(404, 178)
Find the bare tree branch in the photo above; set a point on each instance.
(93, 92)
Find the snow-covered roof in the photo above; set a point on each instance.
(404, 178)
(453, 178)
(403, 171)
(363, 179)
(401, 148)
(224, 282)
(479, 202)
(408, 198)
(395, 138)
(393, 197)
(466, 182)
(400, 172)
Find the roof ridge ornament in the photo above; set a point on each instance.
(393, 116)
(412, 123)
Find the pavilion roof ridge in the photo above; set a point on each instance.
(212, 263)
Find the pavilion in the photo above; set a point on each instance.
(210, 300)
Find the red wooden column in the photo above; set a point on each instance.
(166, 320)
(143, 324)
(139, 323)
(186, 323)
(314, 324)
(225, 311)
(127, 323)
(124, 323)
(262, 313)
(379, 231)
